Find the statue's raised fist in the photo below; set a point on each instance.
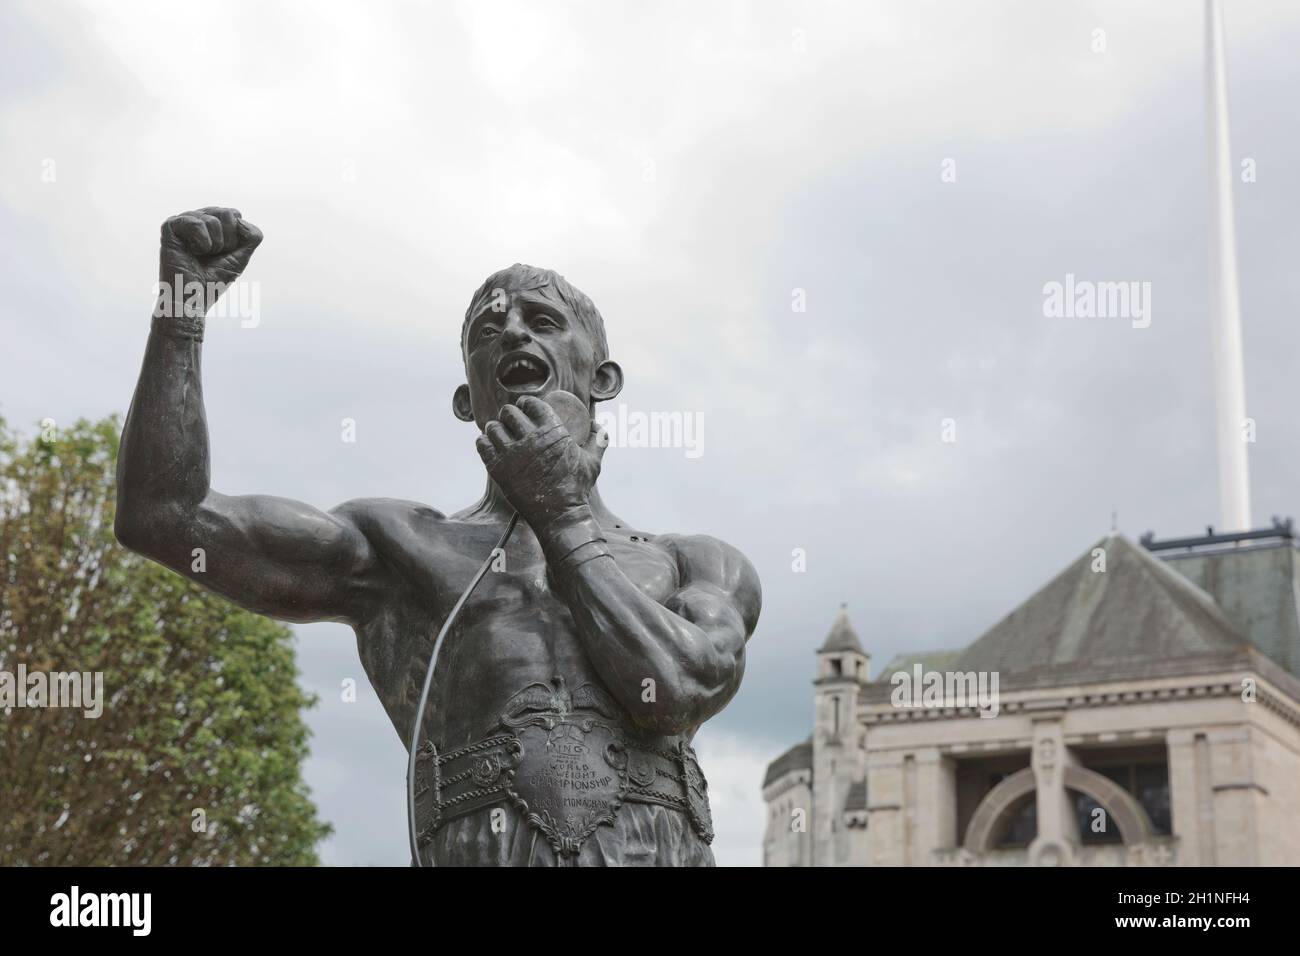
(210, 246)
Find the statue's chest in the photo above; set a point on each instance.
(516, 626)
(523, 580)
(647, 565)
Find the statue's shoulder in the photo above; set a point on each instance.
(704, 558)
(386, 519)
(716, 567)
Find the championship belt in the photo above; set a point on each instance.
(566, 762)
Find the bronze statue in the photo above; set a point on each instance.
(570, 687)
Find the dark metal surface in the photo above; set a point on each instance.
(656, 623)
(1280, 529)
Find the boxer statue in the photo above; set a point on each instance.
(567, 693)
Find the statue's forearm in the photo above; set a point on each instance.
(163, 467)
(667, 671)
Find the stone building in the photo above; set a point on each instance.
(1143, 707)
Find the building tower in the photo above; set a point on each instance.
(838, 751)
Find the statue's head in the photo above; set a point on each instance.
(528, 332)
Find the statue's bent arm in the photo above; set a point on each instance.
(691, 648)
(271, 555)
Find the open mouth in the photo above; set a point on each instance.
(522, 372)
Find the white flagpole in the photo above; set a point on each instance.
(1225, 306)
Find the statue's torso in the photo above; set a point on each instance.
(512, 677)
(515, 629)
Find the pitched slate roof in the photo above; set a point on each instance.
(1138, 607)
(929, 660)
(842, 636)
(798, 757)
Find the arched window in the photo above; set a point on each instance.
(1020, 823)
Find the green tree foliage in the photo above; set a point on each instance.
(197, 756)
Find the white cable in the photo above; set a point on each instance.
(424, 695)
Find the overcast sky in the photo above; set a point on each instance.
(690, 166)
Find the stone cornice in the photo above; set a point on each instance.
(1103, 694)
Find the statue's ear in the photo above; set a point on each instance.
(607, 381)
(460, 404)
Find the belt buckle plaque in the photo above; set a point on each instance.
(570, 771)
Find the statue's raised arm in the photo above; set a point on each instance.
(272, 555)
